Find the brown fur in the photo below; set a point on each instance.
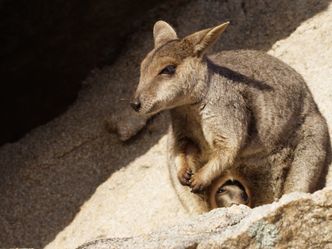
(245, 110)
(233, 194)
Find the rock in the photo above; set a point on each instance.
(297, 220)
(125, 124)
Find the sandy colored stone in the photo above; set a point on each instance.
(298, 220)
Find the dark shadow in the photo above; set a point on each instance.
(49, 48)
(38, 200)
(258, 24)
(238, 77)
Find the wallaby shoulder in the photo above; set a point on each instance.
(256, 65)
(277, 98)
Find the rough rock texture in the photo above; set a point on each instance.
(71, 181)
(298, 220)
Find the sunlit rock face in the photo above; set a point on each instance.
(296, 221)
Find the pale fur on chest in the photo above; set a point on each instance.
(192, 122)
(196, 123)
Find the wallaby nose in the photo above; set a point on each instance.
(135, 104)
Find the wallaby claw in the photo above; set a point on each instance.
(185, 176)
(197, 186)
(188, 174)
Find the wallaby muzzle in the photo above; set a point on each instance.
(136, 104)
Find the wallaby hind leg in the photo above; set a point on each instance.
(310, 156)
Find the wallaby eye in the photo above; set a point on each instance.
(221, 190)
(244, 196)
(170, 69)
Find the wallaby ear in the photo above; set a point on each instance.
(162, 33)
(204, 39)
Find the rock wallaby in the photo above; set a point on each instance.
(244, 110)
(224, 191)
(229, 189)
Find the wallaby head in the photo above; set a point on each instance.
(230, 189)
(232, 192)
(173, 73)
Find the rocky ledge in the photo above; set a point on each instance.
(297, 220)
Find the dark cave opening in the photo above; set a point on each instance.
(48, 48)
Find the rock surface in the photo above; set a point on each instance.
(298, 220)
(71, 181)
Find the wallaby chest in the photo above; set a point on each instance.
(187, 123)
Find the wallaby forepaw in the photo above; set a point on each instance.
(197, 184)
(185, 176)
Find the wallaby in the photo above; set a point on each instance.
(245, 111)
(225, 191)
(229, 189)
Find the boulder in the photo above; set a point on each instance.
(297, 220)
